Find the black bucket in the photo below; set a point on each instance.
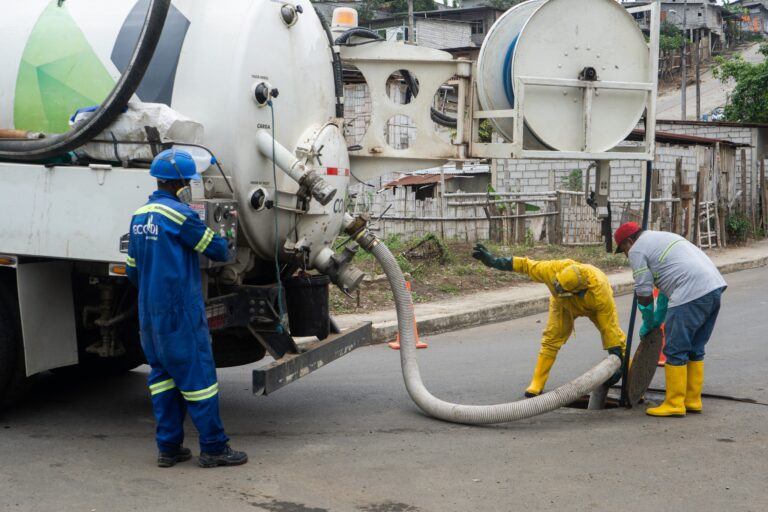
(307, 301)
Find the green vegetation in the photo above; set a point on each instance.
(738, 227)
(367, 8)
(670, 37)
(574, 181)
(502, 4)
(448, 288)
(485, 131)
(749, 100)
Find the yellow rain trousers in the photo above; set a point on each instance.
(596, 303)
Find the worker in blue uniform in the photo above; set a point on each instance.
(166, 238)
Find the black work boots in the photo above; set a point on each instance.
(168, 459)
(228, 457)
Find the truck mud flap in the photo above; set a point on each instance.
(292, 367)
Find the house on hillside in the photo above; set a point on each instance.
(702, 20)
(444, 29)
(756, 21)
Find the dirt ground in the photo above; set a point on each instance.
(441, 270)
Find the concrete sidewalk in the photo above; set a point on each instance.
(523, 300)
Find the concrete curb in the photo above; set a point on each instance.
(386, 331)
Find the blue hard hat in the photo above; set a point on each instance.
(174, 164)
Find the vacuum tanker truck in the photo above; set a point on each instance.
(91, 91)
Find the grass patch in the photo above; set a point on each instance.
(448, 288)
(443, 269)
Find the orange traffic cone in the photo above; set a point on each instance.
(396, 344)
(662, 357)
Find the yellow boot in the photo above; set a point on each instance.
(693, 389)
(673, 405)
(540, 375)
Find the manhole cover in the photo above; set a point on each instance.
(643, 366)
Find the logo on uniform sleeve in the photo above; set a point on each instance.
(150, 230)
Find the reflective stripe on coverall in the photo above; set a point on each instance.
(596, 304)
(166, 238)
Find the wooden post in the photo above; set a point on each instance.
(744, 182)
(686, 200)
(723, 163)
(676, 207)
(716, 193)
(697, 209)
(656, 207)
(552, 223)
(559, 217)
(520, 223)
(763, 197)
(443, 206)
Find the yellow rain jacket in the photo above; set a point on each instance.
(588, 293)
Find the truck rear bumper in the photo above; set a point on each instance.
(292, 367)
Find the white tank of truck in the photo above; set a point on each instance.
(61, 56)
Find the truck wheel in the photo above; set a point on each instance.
(235, 347)
(13, 379)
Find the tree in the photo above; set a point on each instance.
(749, 100)
(670, 37)
(367, 8)
(502, 4)
(418, 5)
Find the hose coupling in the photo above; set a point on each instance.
(358, 231)
(318, 187)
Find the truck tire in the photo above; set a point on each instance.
(13, 379)
(235, 347)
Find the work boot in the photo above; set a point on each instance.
(674, 402)
(168, 459)
(540, 375)
(228, 457)
(693, 389)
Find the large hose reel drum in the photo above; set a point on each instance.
(589, 40)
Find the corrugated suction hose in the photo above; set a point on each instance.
(474, 414)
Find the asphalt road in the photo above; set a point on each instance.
(713, 92)
(348, 437)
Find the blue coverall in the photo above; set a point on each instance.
(165, 239)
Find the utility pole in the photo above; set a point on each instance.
(698, 73)
(683, 70)
(411, 37)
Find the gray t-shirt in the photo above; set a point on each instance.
(674, 265)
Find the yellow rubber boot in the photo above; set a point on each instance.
(540, 375)
(693, 389)
(674, 402)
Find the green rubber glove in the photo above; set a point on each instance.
(661, 310)
(479, 252)
(616, 351)
(647, 313)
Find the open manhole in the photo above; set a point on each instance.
(582, 402)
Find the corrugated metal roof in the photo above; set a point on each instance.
(731, 124)
(432, 175)
(679, 138)
(414, 180)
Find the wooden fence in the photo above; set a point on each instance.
(558, 217)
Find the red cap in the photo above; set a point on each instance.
(625, 230)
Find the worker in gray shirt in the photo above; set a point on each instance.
(690, 287)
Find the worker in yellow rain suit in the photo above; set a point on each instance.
(577, 290)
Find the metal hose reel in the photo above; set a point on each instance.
(569, 72)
